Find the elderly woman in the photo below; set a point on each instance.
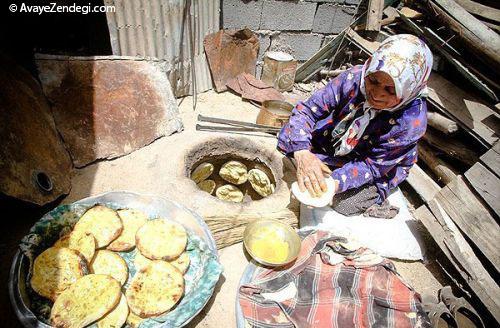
(363, 128)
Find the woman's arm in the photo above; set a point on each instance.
(391, 157)
(296, 134)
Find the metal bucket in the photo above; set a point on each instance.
(153, 206)
(274, 113)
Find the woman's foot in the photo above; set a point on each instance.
(439, 315)
(462, 311)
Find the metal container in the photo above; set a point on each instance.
(151, 205)
(274, 113)
(254, 229)
(279, 70)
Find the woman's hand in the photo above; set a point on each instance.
(310, 172)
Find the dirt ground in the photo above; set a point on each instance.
(147, 170)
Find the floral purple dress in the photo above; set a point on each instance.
(381, 157)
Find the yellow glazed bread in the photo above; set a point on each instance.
(117, 317)
(260, 182)
(155, 289)
(234, 172)
(132, 220)
(181, 263)
(161, 239)
(56, 269)
(229, 193)
(202, 172)
(82, 242)
(107, 262)
(102, 222)
(86, 301)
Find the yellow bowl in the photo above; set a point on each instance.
(264, 238)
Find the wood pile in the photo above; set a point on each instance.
(457, 176)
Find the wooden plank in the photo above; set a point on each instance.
(491, 159)
(444, 172)
(374, 15)
(486, 184)
(460, 254)
(465, 108)
(441, 123)
(422, 183)
(471, 216)
(480, 9)
(450, 146)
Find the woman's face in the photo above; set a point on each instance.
(380, 90)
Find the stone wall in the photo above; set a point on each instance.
(298, 27)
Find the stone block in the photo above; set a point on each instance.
(301, 46)
(287, 15)
(238, 14)
(106, 107)
(265, 43)
(332, 18)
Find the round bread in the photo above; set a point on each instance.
(56, 269)
(161, 240)
(155, 289)
(102, 222)
(207, 186)
(132, 220)
(260, 182)
(117, 317)
(234, 172)
(181, 263)
(133, 320)
(107, 262)
(202, 172)
(82, 242)
(87, 300)
(229, 193)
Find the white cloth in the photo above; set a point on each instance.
(394, 238)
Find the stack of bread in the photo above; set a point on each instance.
(237, 174)
(85, 276)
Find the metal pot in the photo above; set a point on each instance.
(274, 113)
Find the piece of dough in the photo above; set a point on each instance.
(82, 242)
(260, 182)
(102, 222)
(107, 262)
(155, 289)
(234, 172)
(55, 270)
(133, 320)
(306, 198)
(132, 220)
(229, 193)
(87, 300)
(207, 186)
(161, 239)
(202, 172)
(117, 317)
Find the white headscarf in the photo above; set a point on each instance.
(408, 61)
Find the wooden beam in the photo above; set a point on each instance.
(491, 159)
(480, 9)
(451, 147)
(422, 183)
(472, 217)
(473, 114)
(486, 184)
(481, 40)
(443, 171)
(460, 254)
(374, 15)
(441, 123)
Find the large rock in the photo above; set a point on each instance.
(105, 107)
(34, 164)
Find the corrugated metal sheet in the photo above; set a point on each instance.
(166, 29)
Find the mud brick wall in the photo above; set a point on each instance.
(298, 27)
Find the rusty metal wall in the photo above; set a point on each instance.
(161, 29)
